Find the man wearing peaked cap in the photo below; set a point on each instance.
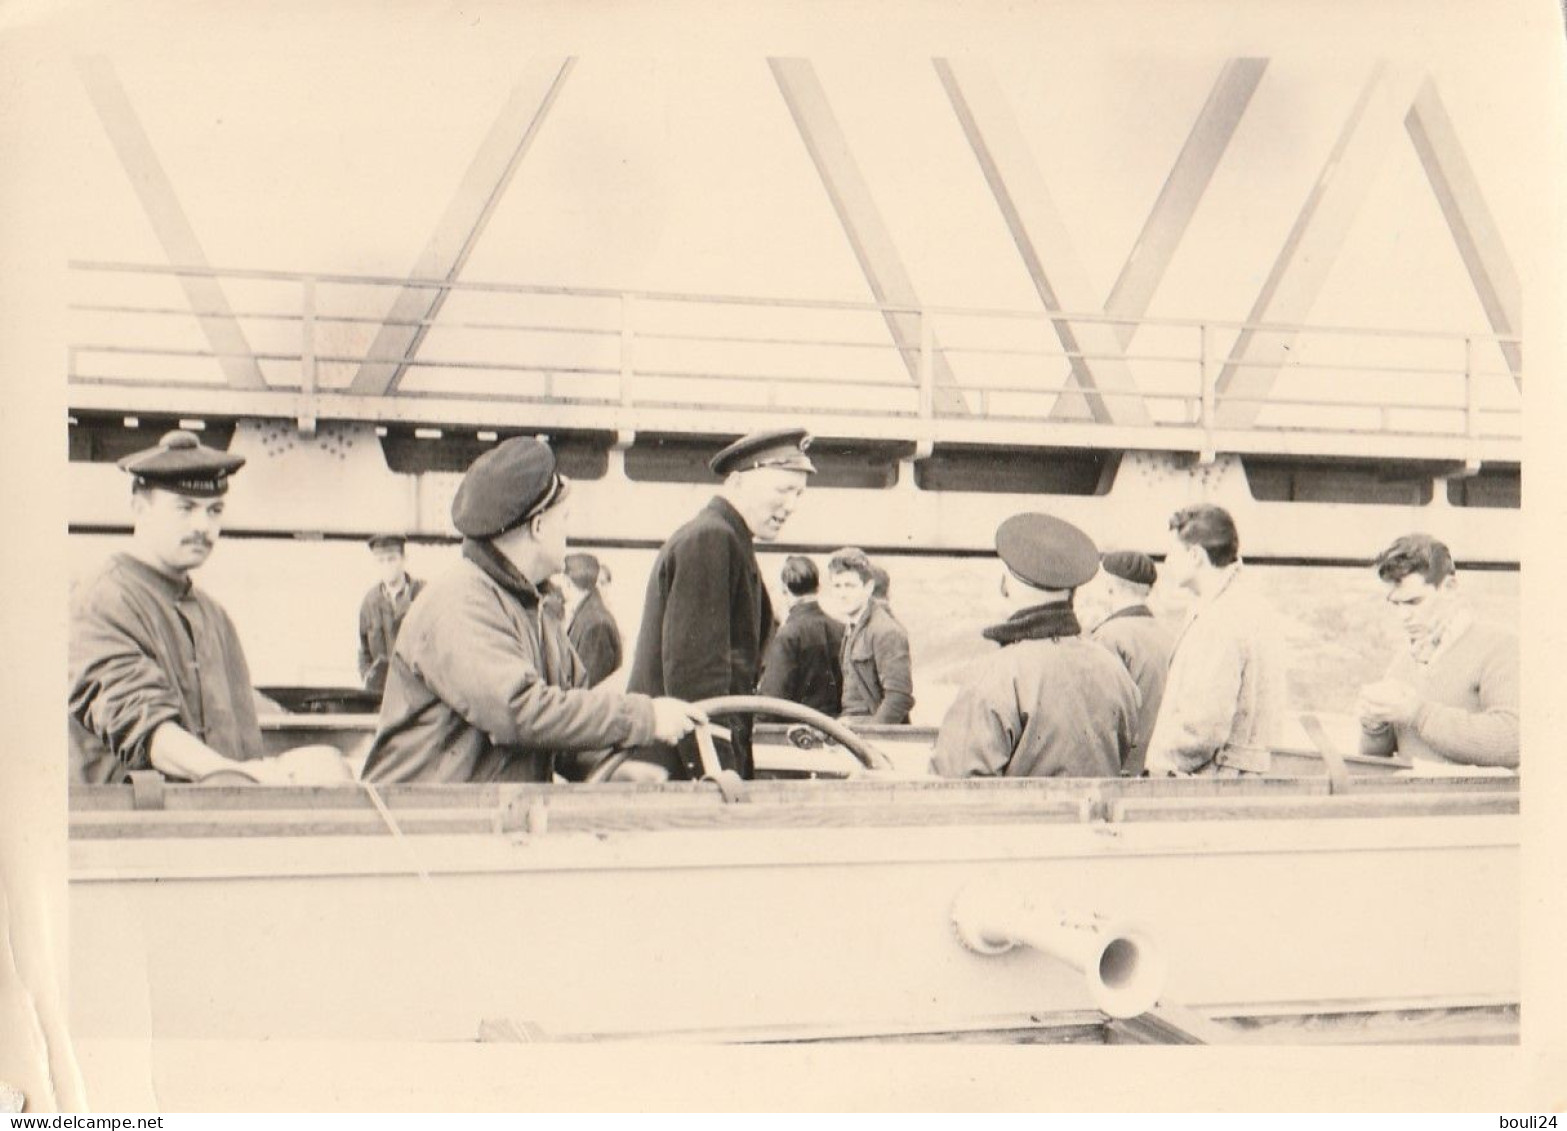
(158, 677)
(707, 617)
(483, 685)
(383, 608)
(1130, 630)
(1050, 703)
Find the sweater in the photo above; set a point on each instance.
(1468, 713)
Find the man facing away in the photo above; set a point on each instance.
(878, 682)
(483, 685)
(803, 659)
(707, 617)
(1224, 699)
(1131, 632)
(158, 677)
(382, 611)
(1450, 700)
(1050, 703)
(590, 626)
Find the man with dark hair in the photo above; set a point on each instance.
(707, 617)
(878, 683)
(382, 611)
(1452, 698)
(1130, 631)
(483, 684)
(1050, 703)
(158, 677)
(591, 626)
(1224, 698)
(803, 658)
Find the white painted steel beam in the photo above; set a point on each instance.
(1183, 191)
(478, 194)
(862, 222)
(169, 223)
(1311, 248)
(1469, 218)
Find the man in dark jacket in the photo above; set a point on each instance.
(803, 659)
(591, 626)
(382, 611)
(707, 617)
(1131, 632)
(484, 686)
(1050, 703)
(878, 679)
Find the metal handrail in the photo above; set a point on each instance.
(1202, 400)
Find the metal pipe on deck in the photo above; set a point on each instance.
(1122, 966)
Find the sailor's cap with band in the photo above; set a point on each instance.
(1046, 552)
(780, 447)
(184, 465)
(508, 485)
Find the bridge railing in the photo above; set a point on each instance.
(319, 341)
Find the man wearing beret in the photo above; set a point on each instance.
(382, 611)
(1051, 703)
(707, 617)
(483, 685)
(1224, 699)
(1131, 632)
(158, 677)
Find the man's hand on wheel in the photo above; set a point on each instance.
(673, 719)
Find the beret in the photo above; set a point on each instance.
(1046, 552)
(1130, 565)
(506, 486)
(183, 464)
(386, 541)
(779, 447)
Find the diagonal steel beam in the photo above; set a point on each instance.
(460, 227)
(1105, 379)
(1310, 249)
(1468, 217)
(862, 222)
(162, 205)
(1182, 192)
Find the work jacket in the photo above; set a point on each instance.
(1143, 645)
(803, 659)
(1049, 704)
(596, 637)
(380, 617)
(878, 684)
(705, 623)
(483, 686)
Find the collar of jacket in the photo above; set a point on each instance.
(177, 588)
(725, 510)
(499, 569)
(1129, 611)
(1041, 622)
(592, 602)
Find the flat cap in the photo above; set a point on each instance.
(183, 464)
(1046, 552)
(387, 541)
(1130, 565)
(779, 447)
(506, 486)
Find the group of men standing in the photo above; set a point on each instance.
(481, 682)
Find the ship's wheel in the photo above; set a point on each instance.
(725, 705)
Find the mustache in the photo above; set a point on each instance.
(197, 540)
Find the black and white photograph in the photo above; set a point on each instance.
(865, 557)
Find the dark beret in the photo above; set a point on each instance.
(387, 541)
(780, 447)
(1131, 565)
(506, 486)
(183, 464)
(1046, 552)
